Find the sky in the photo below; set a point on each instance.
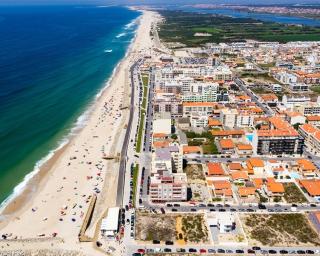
(106, 2)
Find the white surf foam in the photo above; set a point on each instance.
(79, 124)
(121, 35)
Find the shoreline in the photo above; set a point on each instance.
(58, 206)
(16, 203)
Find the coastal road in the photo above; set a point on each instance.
(123, 159)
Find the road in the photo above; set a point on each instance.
(228, 249)
(253, 97)
(123, 160)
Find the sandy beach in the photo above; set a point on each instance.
(56, 200)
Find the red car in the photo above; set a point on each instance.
(203, 251)
(141, 250)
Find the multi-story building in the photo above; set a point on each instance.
(203, 93)
(167, 102)
(309, 108)
(280, 138)
(200, 108)
(235, 118)
(168, 187)
(199, 121)
(167, 159)
(291, 101)
(311, 134)
(299, 87)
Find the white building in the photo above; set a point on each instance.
(198, 121)
(286, 78)
(162, 123)
(110, 224)
(299, 87)
(233, 118)
(201, 93)
(225, 222)
(228, 117)
(276, 87)
(290, 100)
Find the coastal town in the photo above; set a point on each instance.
(212, 150)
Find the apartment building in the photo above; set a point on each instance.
(311, 135)
(234, 118)
(201, 108)
(289, 101)
(309, 108)
(201, 93)
(280, 138)
(167, 102)
(171, 187)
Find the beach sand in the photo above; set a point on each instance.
(56, 200)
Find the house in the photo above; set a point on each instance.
(244, 149)
(270, 99)
(226, 146)
(258, 183)
(213, 123)
(239, 176)
(273, 188)
(255, 166)
(312, 187)
(307, 168)
(235, 167)
(220, 188)
(225, 222)
(215, 169)
(245, 192)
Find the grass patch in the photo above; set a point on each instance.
(315, 89)
(208, 147)
(281, 229)
(145, 81)
(264, 77)
(292, 194)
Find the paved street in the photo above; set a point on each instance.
(253, 97)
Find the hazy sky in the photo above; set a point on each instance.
(97, 2)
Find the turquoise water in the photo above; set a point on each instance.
(249, 137)
(295, 175)
(53, 61)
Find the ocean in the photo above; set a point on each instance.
(54, 61)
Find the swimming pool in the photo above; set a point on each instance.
(294, 175)
(249, 136)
